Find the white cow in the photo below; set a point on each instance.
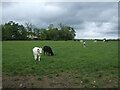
(37, 53)
(81, 40)
(95, 40)
(104, 40)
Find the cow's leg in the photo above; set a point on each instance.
(35, 57)
(84, 45)
(38, 58)
(48, 54)
(44, 52)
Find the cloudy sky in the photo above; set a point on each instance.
(89, 19)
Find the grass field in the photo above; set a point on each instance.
(94, 66)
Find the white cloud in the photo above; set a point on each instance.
(91, 30)
(93, 20)
(60, 1)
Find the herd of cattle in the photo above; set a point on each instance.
(48, 50)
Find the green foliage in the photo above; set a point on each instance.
(14, 31)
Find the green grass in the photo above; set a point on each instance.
(69, 56)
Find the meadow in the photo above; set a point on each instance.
(93, 66)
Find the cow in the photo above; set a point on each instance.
(95, 40)
(48, 50)
(81, 41)
(37, 53)
(84, 44)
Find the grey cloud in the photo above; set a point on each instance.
(8, 4)
(80, 15)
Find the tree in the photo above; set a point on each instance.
(53, 34)
(50, 26)
(30, 30)
(43, 33)
(40, 33)
(23, 32)
(13, 31)
(6, 33)
(70, 32)
(66, 32)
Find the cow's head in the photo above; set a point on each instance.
(39, 50)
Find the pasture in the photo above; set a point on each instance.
(72, 66)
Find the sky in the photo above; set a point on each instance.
(91, 20)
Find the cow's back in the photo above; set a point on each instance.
(35, 50)
(46, 48)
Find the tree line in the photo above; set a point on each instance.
(15, 31)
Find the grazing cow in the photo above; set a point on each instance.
(84, 43)
(104, 40)
(81, 40)
(48, 50)
(37, 53)
(95, 40)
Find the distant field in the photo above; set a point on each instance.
(97, 62)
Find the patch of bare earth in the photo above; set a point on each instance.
(62, 80)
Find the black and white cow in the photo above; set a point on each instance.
(84, 44)
(48, 50)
